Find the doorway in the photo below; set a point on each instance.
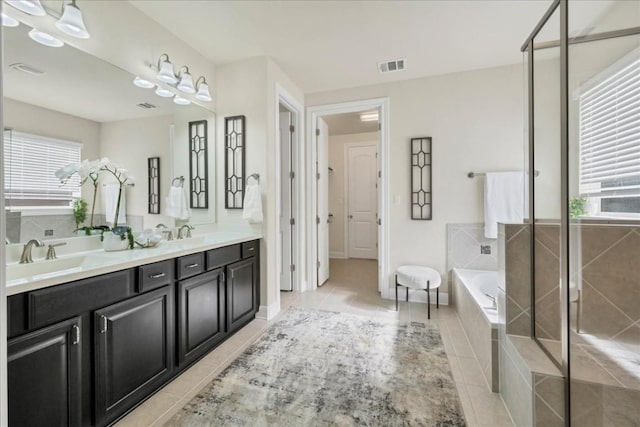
(289, 125)
(349, 187)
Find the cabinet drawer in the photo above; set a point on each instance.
(156, 275)
(222, 256)
(249, 249)
(50, 305)
(190, 265)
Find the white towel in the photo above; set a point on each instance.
(177, 203)
(110, 201)
(503, 200)
(252, 204)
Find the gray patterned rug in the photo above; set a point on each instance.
(320, 368)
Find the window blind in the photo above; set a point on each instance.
(610, 132)
(30, 163)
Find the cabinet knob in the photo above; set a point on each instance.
(76, 337)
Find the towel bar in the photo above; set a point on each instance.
(474, 174)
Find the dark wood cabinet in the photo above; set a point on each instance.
(133, 353)
(87, 352)
(242, 293)
(201, 314)
(45, 376)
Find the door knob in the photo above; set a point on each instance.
(350, 216)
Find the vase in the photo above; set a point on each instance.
(114, 242)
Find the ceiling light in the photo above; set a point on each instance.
(369, 116)
(32, 7)
(145, 84)
(44, 38)
(165, 70)
(9, 21)
(181, 101)
(203, 90)
(71, 22)
(186, 81)
(165, 93)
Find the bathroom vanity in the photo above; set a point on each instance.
(86, 351)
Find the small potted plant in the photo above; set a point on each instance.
(79, 212)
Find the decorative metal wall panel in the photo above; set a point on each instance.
(234, 163)
(153, 164)
(421, 193)
(198, 165)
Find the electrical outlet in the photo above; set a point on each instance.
(48, 233)
(485, 249)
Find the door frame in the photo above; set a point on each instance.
(382, 104)
(4, 419)
(345, 189)
(297, 112)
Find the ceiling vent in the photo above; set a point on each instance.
(390, 66)
(25, 68)
(146, 106)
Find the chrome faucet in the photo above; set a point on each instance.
(188, 227)
(494, 301)
(166, 231)
(51, 252)
(26, 258)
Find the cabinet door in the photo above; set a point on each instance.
(201, 321)
(242, 295)
(44, 376)
(134, 348)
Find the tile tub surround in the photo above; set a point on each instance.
(463, 248)
(482, 333)
(515, 260)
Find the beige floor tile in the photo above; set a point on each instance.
(488, 407)
(151, 410)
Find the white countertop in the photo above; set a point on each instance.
(86, 264)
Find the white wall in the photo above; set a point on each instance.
(476, 121)
(336, 187)
(249, 88)
(129, 143)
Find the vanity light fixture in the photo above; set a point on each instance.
(165, 70)
(44, 38)
(71, 21)
(203, 93)
(9, 21)
(145, 84)
(186, 81)
(165, 93)
(181, 101)
(31, 7)
(369, 116)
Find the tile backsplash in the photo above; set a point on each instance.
(468, 248)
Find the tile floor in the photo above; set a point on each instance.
(352, 288)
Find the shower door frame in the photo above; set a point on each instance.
(530, 47)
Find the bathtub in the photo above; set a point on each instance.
(479, 318)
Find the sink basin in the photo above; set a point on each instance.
(51, 268)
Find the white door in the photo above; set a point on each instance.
(286, 207)
(362, 196)
(322, 216)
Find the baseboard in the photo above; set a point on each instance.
(337, 255)
(270, 311)
(416, 295)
